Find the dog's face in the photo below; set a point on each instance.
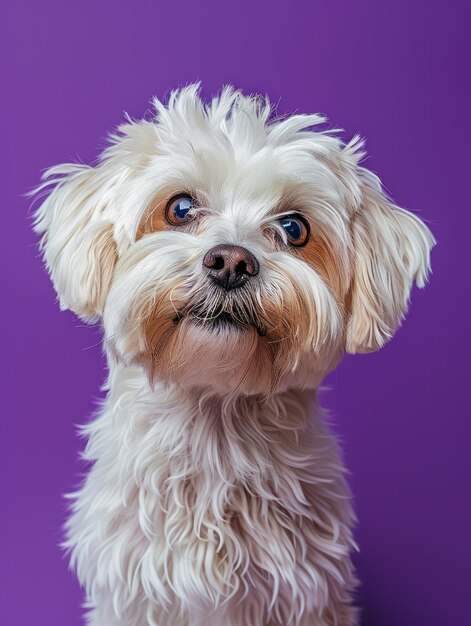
(225, 251)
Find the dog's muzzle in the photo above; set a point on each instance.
(227, 299)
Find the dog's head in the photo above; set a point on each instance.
(225, 250)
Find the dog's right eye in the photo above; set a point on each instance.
(296, 228)
(179, 210)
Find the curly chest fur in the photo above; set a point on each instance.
(194, 502)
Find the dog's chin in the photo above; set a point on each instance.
(232, 351)
(221, 354)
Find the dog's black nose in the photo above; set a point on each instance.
(230, 266)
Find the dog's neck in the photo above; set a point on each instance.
(206, 401)
(237, 437)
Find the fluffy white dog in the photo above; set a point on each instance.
(232, 260)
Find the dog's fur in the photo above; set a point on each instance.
(216, 495)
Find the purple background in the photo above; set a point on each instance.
(397, 72)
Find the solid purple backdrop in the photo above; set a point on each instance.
(398, 73)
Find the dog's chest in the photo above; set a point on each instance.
(222, 518)
(202, 506)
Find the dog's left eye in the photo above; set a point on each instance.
(296, 229)
(178, 209)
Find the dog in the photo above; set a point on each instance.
(232, 258)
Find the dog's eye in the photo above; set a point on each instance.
(178, 210)
(296, 229)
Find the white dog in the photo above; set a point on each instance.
(232, 260)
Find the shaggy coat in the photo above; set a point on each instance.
(216, 495)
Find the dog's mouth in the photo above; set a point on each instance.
(219, 318)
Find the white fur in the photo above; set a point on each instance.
(216, 495)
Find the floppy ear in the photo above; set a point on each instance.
(77, 220)
(391, 252)
(77, 237)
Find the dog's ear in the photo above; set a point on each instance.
(78, 219)
(77, 236)
(391, 249)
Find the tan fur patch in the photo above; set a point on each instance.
(155, 220)
(333, 266)
(99, 244)
(321, 256)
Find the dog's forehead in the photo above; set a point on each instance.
(228, 171)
